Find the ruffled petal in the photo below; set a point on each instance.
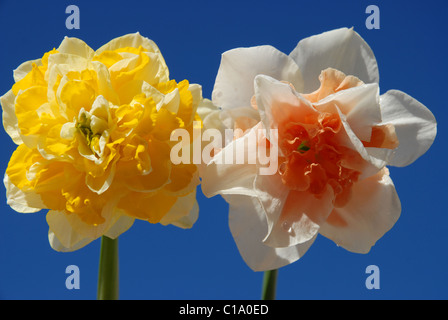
(360, 105)
(77, 47)
(342, 49)
(21, 71)
(247, 221)
(223, 175)
(62, 236)
(57, 245)
(133, 40)
(234, 85)
(21, 201)
(297, 215)
(372, 211)
(68, 233)
(279, 103)
(62, 222)
(155, 70)
(122, 224)
(415, 127)
(10, 122)
(183, 213)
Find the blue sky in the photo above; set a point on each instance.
(159, 262)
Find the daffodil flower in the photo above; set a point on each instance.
(335, 136)
(92, 130)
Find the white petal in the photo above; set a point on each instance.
(196, 92)
(278, 102)
(122, 224)
(248, 225)
(133, 40)
(183, 213)
(360, 105)
(9, 117)
(62, 236)
(209, 115)
(371, 212)
(77, 47)
(293, 217)
(347, 138)
(58, 246)
(25, 68)
(234, 85)
(68, 130)
(20, 201)
(237, 118)
(61, 223)
(66, 62)
(223, 175)
(171, 101)
(189, 220)
(342, 49)
(272, 195)
(415, 126)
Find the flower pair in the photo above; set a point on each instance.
(93, 131)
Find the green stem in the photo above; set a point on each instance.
(108, 270)
(269, 285)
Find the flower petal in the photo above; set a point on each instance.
(122, 224)
(234, 85)
(360, 160)
(415, 126)
(150, 206)
(342, 49)
(223, 176)
(183, 213)
(373, 210)
(21, 201)
(247, 221)
(25, 68)
(297, 219)
(58, 246)
(10, 122)
(77, 47)
(360, 105)
(279, 103)
(210, 115)
(62, 236)
(133, 40)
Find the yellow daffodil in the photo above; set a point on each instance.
(93, 134)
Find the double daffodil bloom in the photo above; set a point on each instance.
(93, 134)
(336, 135)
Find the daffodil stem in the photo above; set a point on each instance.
(269, 285)
(108, 270)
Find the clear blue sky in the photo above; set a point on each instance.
(159, 262)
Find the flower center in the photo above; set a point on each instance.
(314, 159)
(83, 127)
(92, 133)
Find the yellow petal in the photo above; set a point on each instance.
(147, 206)
(76, 95)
